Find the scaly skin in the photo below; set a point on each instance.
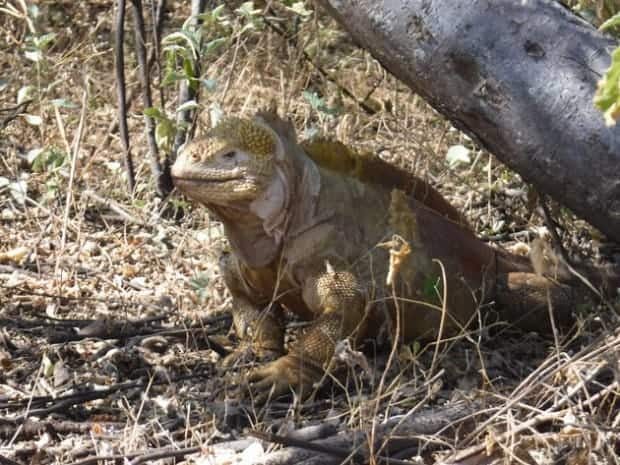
(307, 235)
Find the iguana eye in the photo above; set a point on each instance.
(228, 155)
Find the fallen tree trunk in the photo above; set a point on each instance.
(517, 76)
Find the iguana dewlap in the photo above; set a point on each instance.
(311, 237)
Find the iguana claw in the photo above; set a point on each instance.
(247, 352)
(282, 376)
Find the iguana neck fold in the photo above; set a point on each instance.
(258, 230)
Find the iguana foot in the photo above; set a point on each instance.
(248, 352)
(282, 376)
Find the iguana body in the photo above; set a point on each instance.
(312, 239)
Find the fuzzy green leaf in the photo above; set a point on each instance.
(607, 97)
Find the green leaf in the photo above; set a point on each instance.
(612, 22)
(458, 154)
(63, 103)
(213, 45)
(432, 288)
(209, 84)
(200, 283)
(607, 97)
(172, 77)
(33, 154)
(43, 41)
(182, 37)
(188, 68)
(189, 105)
(300, 9)
(165, 131)
(19, 191)
(318, 103)
(49, 159)
(215, 113)
(153, 112)
(33, 120)
(34, 55)
(33, 11)
(247, 9)
(174, 49)
(25, 93)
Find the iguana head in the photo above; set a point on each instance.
(232, 163)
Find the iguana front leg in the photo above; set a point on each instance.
(258, 325)
(339, 303)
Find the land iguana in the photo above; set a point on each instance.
(309, 234)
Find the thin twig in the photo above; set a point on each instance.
(13, 112)
(161, 173)
(6, 461)
(77, 140)
(294, 442)
(157, 17)
(551, 226)
(363, 105)
(186, 92)
(119, 65)
(115, 207)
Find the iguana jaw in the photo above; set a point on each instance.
(225, 177)
(217, 190)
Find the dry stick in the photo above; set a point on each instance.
(442, 321)
(143, 456)
(115, 124)
(139, 457)
(115, 207)
(6, 461)
(92, 394)
(367, 109)
(391, 281)
(186, 92)
(300, 443)
(33, 429)
(119, 65)
(556, 238)
(558, 241)
(13, 112)
(76, 149)
(163, 181)
(535, 378)
(157, 17)
(339, 452)
(529, 424)
(551, 227)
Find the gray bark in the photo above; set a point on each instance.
(518, 76)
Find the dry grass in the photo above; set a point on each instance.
(79, 253)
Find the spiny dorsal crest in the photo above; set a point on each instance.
(244, 134)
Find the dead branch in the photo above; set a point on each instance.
(161, 174)
(6, 461)
(13, 112)
(114, 206)
(119, 65)
(391, 436)
(32, 429)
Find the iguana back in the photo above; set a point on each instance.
(371, 169)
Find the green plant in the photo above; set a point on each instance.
(182, 51)
(200, 284)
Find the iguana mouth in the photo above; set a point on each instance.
(206, 181)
